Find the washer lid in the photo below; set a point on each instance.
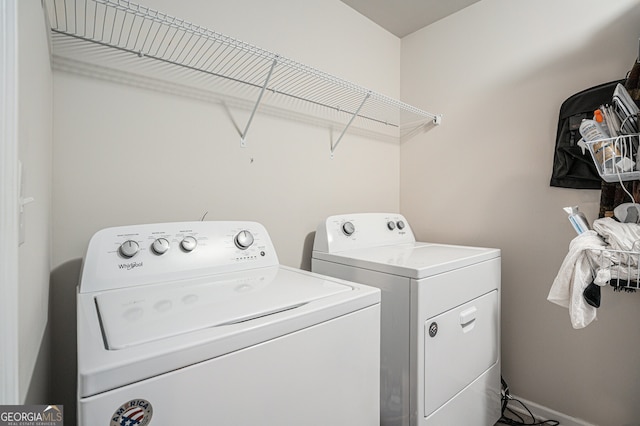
(412, 260)
(137, 315)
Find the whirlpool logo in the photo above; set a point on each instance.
(129, 266)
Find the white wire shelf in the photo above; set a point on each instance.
(616, 158)
(618, 268)
(127, 36)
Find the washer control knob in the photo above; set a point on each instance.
(243, 239)
(400, 224)
(160, 246)
(129, 249)
(188, 243)
(348, 228)
(391, 225)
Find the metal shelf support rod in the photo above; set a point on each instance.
(353, 117)
(243, 140)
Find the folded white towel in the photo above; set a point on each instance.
(620, 236)
(575, 275)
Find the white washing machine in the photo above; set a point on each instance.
(197, 323)
(440, 350)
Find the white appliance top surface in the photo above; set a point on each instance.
(412, 260)
(137, 315)
(144, 331)
(158, 297)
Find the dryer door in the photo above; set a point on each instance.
(460, 345)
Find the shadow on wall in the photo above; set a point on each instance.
(180, 82)
(62, 319)
(307, 249)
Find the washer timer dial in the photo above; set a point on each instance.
(243, 239)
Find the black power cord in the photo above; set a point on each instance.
(520, 421)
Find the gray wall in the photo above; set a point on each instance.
(499, 71)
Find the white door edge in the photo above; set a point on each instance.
(9, 385)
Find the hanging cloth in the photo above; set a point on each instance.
(574, 276)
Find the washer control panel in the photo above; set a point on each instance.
(136, 255)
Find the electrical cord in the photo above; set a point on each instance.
(520, 421)
(617, 169)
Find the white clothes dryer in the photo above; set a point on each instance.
(197, 323)
(440, 350)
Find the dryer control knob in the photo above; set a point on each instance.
(391, 225)
(243, 240)
(348, 228)
(400, 224)
(160, 246)
(129, 249)
(189, 243)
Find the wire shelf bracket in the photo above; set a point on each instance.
(243, 136)
(353, 117)
(124, 36)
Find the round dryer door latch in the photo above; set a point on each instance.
(433, 329)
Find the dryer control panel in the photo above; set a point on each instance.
(141, 254)
(362, 230)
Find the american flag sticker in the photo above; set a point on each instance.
(136, 412)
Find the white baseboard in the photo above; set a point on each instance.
(544, 413)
